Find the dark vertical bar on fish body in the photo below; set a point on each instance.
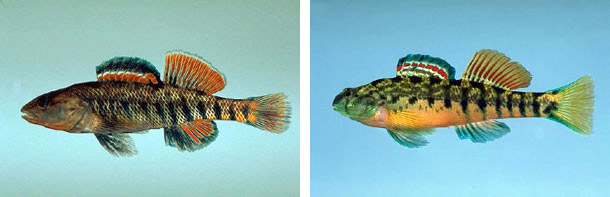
(464, 100)
(201, 109)
(232, 110)
(217, 110)
(185, 109)
(172, 113)
(160, 112)
(481, 101)
(114, 111)
(145, 110)
(245, 111)
(126, 108)
(522, 109)
(499, 105)
(536, 108)
(509, 104)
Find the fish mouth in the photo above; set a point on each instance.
(29, 116)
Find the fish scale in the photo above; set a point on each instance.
(425, 95)
(180, 107)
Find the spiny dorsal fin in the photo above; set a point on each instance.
(191, 136)
(494, 68)
(424, 65)
(481, 132)
(190, 71)
(131, 69)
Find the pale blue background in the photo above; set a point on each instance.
(356, 42)
(47, 45)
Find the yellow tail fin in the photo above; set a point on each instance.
(575, 105)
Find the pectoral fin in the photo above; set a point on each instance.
(481, 132)
(117, 144)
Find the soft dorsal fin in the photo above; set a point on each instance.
(492, 67)
(424, 65)
(131, 69)
(190, 71)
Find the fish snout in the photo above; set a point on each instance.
(29, 113)
(341, 99)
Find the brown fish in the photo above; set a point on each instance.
(129, 97)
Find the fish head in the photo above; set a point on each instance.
(59, 110)
(353, 105)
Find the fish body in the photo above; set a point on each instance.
(129, 97)
(134, 107)
(424, 95)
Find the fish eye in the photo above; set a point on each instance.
(348, 92)
(43, 101)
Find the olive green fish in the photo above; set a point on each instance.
(129, 97)
(425, 95)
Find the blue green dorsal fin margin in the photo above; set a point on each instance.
(424, 65)
(131, 69)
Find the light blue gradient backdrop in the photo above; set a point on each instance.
(356, 42)
(47, 45)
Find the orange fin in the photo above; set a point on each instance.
(494, 68)
(130, 69)
(190, 71)
(191, 136)
(405, 120)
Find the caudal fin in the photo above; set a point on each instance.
(575, 105)
(271, 113)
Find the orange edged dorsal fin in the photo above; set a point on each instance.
(129, 69)
(190, 71)
(494, 68)
(191, 136)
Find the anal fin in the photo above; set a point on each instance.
(481, 132)
(191, 136)
(410, 139)
(117, 144)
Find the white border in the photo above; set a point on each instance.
(304, 100)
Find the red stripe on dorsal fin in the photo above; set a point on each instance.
(190, 71)
(191, 136)
(494, 68)
(129, 69)
(424, 66)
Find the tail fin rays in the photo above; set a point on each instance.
(575, 105)
(272, 113)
